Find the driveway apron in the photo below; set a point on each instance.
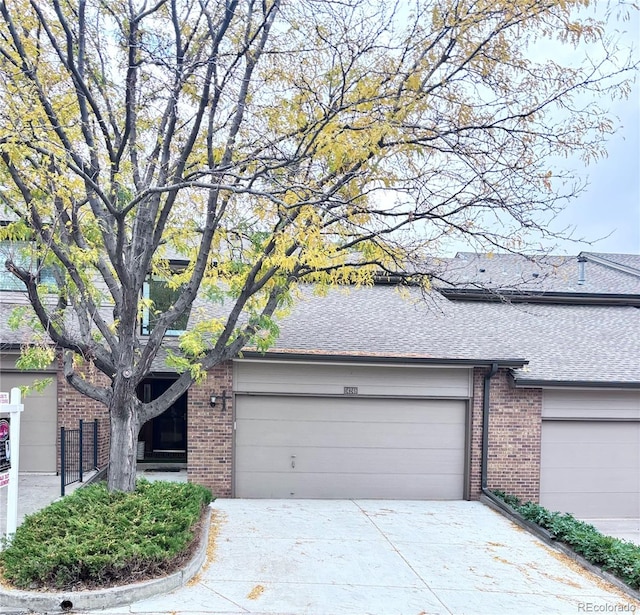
(354, 557)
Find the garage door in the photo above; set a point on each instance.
(591, 468)
(590, 454)
(38, 423)
(315, 447)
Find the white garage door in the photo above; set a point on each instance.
(38, 423)
(315, 447)
(591, 468)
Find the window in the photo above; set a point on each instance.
(20, 253)
(163, 298)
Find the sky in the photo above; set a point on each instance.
(606, 214)
(609, 209)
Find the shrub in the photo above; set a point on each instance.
(95, 538)
(619, 557)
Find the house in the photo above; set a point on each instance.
(519, 374)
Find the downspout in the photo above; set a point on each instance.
(485, 428)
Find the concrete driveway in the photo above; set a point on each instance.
(355, 557)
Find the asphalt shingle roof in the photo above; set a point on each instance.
(581, 343)
(543, 274)
(561, 342)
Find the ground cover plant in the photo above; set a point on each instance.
(94, 538)
(619, 557)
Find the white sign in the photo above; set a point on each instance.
(14, 408)
(4, 398)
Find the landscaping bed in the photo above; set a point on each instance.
(618, 557)
(94, 539)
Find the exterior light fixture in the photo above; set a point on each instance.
(213, 399)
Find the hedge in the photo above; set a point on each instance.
(619, 557)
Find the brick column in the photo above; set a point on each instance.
(515, 428)
(73, 406)
(210, 432)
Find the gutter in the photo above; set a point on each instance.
(9, 346)
(550, 297)
(576, 384)
(297, 357)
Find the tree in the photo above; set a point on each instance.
(268, 143)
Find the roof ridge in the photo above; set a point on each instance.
(607, 262)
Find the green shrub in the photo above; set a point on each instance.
(619, 557)
(94, 538)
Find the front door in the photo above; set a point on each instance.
(170, 430)
(163, 438)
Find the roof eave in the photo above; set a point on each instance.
(517, 296)
(522, 383)
(377, 359)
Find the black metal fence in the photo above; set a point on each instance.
(78, 452)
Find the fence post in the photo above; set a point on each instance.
(95, 444)
(81, 451)
(62, 460)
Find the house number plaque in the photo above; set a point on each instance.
(350, 390)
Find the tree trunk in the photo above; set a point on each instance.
(121, 475)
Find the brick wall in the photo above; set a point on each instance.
(514, 432)
(210, 432)
(515, 427)
(73, 406)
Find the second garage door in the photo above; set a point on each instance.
(38, 423)
(591, 469)
(315, 447)
(590, 455)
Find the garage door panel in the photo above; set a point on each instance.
(348, 447)
(363, 410)
(591, 468)
(596, 455)
(352, 486)
(346, 433)
(591, 432)
(361, 460)
(594, 506)
(595, 481)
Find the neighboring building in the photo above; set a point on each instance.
(376, 392)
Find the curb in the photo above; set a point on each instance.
(65, 601)
(506, 510)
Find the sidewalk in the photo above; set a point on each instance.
(35, 491)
